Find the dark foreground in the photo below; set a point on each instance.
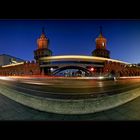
(10, 110)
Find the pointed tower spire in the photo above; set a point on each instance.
(43, 41)
(101, 33)
(43, 35)
(43, 30)
(101, 30)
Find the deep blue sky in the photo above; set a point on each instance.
(18, 37)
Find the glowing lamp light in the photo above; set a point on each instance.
(91, 69)
(51, 69)
(101, 77)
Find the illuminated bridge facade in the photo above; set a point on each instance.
(81, 65)
(86, 66)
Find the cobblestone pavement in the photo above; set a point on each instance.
(11, 110)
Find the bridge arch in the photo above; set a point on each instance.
(87, 72)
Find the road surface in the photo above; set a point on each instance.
(70, 88)
(11, 110)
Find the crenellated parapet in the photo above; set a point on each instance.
(121, 69)
(25, 68)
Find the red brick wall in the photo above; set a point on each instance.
(28, 68)
(121, 69)
(32, 68)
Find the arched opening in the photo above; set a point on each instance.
(70, 71)
(30, 72)
(113, 73)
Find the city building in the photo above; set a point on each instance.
(99, 64)
(8, 59)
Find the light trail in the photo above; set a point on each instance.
(78, 57)
(127, 77)
(10, 65)
(71, 93)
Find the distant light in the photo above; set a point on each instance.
(101, 77)
(91, 69)
(51, 69)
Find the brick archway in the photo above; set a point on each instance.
(88, 72)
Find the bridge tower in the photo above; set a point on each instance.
(101, 50)
(42, 50)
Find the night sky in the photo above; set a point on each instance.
(67, 37)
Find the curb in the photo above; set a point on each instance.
(62, 106)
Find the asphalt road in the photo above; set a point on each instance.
(11, 110)
(71, 88)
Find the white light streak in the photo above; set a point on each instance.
(13, 64)
(78, 57)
